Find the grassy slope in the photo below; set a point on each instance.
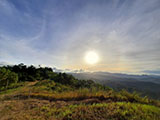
(37, 101)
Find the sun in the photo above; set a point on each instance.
(91, 57)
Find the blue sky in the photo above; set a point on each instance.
(124, 33)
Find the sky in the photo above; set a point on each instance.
(125, 34)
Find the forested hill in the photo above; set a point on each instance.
(36, 93)
(10, 76)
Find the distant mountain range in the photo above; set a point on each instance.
(145, 84)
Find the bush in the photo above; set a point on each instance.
(7, 78)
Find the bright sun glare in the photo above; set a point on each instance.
(91, 57)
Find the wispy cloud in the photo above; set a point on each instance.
(125, 34)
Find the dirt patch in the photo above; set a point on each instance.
(21, 109)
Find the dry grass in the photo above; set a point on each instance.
(29, 104)
(83, 94)
(33, 109)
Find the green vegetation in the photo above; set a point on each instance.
(31, 93)
(7, 78)
(112, 111)
(21, 73)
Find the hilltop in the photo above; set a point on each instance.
(27, 92)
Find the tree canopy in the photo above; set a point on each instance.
(21, 73)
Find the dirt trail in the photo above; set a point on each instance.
(28, 85)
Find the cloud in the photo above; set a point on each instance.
(130, 35)
(22, 50)
(125, 34)
(5, 63)
(68, 70)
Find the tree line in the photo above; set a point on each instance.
(11, 75)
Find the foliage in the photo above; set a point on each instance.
(50, 86)
(110, 111)
(7, 78)
(62, 81)
(30, 73)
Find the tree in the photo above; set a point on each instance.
(7, 77)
